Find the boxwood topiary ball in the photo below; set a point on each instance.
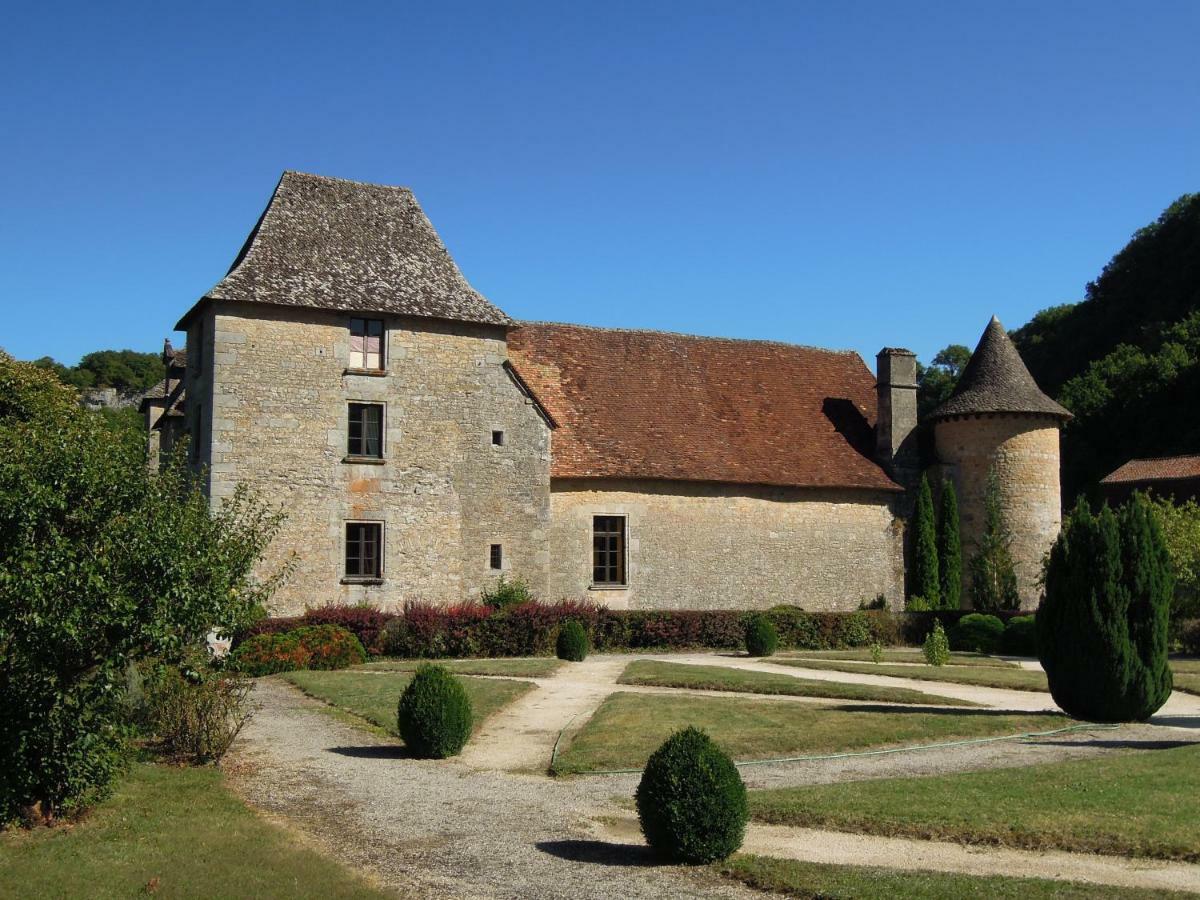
(572, 642)
(691, 800)
(434, 715)
(761, 637)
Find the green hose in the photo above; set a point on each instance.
(912, 749)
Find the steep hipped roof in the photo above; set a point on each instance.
(325, 243)
(1167, 468)
(996, 381)
(645, 404)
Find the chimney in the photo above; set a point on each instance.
(896, 419)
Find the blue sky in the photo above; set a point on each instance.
(838, 174)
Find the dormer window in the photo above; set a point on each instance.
(366, 344)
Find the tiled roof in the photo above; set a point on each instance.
(325, 243)
(996, 381)
(1168, 468)
(644, 404)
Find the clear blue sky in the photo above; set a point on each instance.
(838, 174)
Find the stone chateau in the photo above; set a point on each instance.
(423, 443)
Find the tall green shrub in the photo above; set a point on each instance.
(993, 575)
(434, 713)
(572, 643)
(761, 637)
(949, 549)
(926, 582)
(1102, 627)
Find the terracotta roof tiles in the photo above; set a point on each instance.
(1169, 468)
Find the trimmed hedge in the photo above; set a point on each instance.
(330, 646)
(977, 632)
(761, 637)
(1020, 637)
(434, 713)
(572, 642)
(365, 622)
(912, 626)
(267, 654)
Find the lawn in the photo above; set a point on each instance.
(1187, 675)
(174, 832)
(717, 678)
(627, 728)
(518, 667)
(804, 879)
(904, 655)
(1132, 804)
(374, 697)
(981, 676)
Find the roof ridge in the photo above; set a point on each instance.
(683, 334)
(1160, 458)
(333, 179)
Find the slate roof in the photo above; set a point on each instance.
(653, 405)
(325, 243)
(1167, 468)
(997, 381)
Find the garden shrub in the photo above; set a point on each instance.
(1102, 626)
(434, 713)
(949, 549)
(925, 577)
(1188, 633)
(507, 592)
(691, 800)
(976, 632)
(761, 637)
(1020, 637)
(993, 573)
(917, 603)
(196, 713)
(572, 644)
(937, 648)
(268, 654)
(363, 621)
(330, 646)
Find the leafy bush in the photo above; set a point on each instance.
(507, 592)
(434, 714)
(917, 603)
(267, 654)
(993, 574)
(1189, 636)
(877, 653)
(572, 642)
(195, 714)
(1180, 524)
(761, 637)
(937, 648)
(102, 563)
(976, 632)
(691, 800)
(330, 646)
(1102, 627)
(1020, 637)
(364, 622)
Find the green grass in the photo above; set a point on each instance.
(374, 697)
(904, 655)
(833, 882)
(172, 832)
(1132, 804)
(717, 678)
(1187, 675)
(627, 728)
(522, 667)
(981, 676)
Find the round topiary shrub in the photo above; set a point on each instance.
(572, 644)
(976, 632)
(1020, 637)
(691, 800)
(434, 715)
(330, 646)
(761, 637)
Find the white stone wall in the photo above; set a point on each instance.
(700, 546)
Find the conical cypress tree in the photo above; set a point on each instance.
(949, 549)
(993, 575)
(1102, 627)
(925, 560)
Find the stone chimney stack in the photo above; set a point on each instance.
(896, 419)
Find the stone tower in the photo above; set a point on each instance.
(998, 418)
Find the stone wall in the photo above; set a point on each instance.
(700, 546)
(1025, 453)
(277, 397)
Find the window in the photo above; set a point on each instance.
(496, 556)
(366, 344)
(608, 550)
(366, 430)
(498, 438)
(364, 550)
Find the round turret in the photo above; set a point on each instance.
(998, 419)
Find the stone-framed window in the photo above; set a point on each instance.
(496, 557)
(364, 551)
(497, 437)
(608, 551)
(364, 431)
(366, 345)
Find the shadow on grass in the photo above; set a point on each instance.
(374, 751)
(1116, 745)
(601, 853)
(947, 711)
(1176, 721)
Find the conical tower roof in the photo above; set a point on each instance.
(996, 381)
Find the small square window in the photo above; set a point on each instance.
(364, 549)
(498, 438)
(365, 430)
(366, 344)
(496, 556)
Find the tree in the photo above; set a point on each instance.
(1102, 626)
(1180, 527)
(949, 549)
(936, 381)
(925, 549)
(993, 576)
(102, 563)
